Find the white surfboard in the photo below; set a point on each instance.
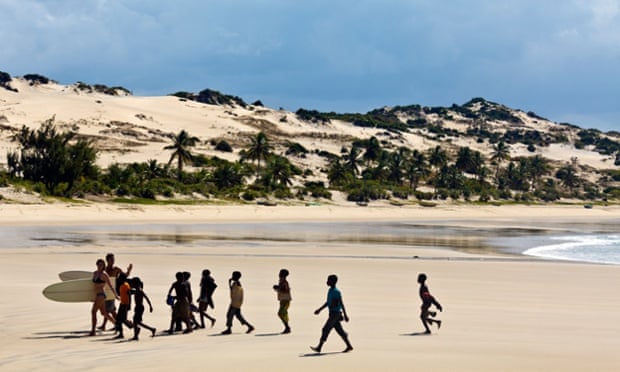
(75, 274)
(77, 290)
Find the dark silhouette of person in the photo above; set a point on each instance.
(139, 296)
(207, 287)
(337, 313)
(183, 297)
(427, 301)
(236, 300)
(284, 297)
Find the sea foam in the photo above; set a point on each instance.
(585, 248)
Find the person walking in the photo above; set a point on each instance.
(284, 297)
(236, 300)
(100, 280)
(427, 301)
(124, 291)
(113, 272)
(207, 287)
(337, 313)
(137, 289)
(183, 297)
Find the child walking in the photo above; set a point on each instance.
(236, 300)
(427, 301)
(125, 303)
(207, 287)
(139, 296)
(284, 297)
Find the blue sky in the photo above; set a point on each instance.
(559, 59)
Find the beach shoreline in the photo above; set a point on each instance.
(76, 213)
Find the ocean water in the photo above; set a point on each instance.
(595, 248)
(585, 243)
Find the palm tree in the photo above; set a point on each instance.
(180, 146)
(372, 150)
(352, 160)
(278, 172)
(501, 152)
(260, 149)
(396, 164)
(468, 160)
(568, 176)
(479, 168)
(227, 175)
(539, 167)
(415, 169)
(337, 173)
(438, 158)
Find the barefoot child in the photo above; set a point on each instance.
(427, 301)
(207, 287)
(139, 296)
(236, 300)
(284, 297)
(125, 303)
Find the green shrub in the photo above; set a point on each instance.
(4, 180)
(250, 195)
(223, 146)
(296, 149)
(316, 190)
(35, 79)
(400, 192)
(365, 191)
(283, 193)
(5, 78)
(420, 195)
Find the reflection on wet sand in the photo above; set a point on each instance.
(445, 235)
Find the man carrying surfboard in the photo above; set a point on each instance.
(113, 272)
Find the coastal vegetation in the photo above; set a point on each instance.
(63, 164)
(480, 151)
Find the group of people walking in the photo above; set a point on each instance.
(124, 289)
(180, 298)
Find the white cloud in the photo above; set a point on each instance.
(348, 55)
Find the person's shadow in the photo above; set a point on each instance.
(308, 355)
(416, 334)
(58, 334)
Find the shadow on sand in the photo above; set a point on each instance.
(313, 354)
(66, 335)
(268, 334)
(416, 334)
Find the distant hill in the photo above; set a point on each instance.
(127, 129)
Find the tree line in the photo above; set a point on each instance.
(63, 164)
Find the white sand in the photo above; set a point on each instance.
(499, 315)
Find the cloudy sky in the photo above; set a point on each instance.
(558, 58)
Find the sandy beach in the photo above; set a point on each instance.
(501, 312)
